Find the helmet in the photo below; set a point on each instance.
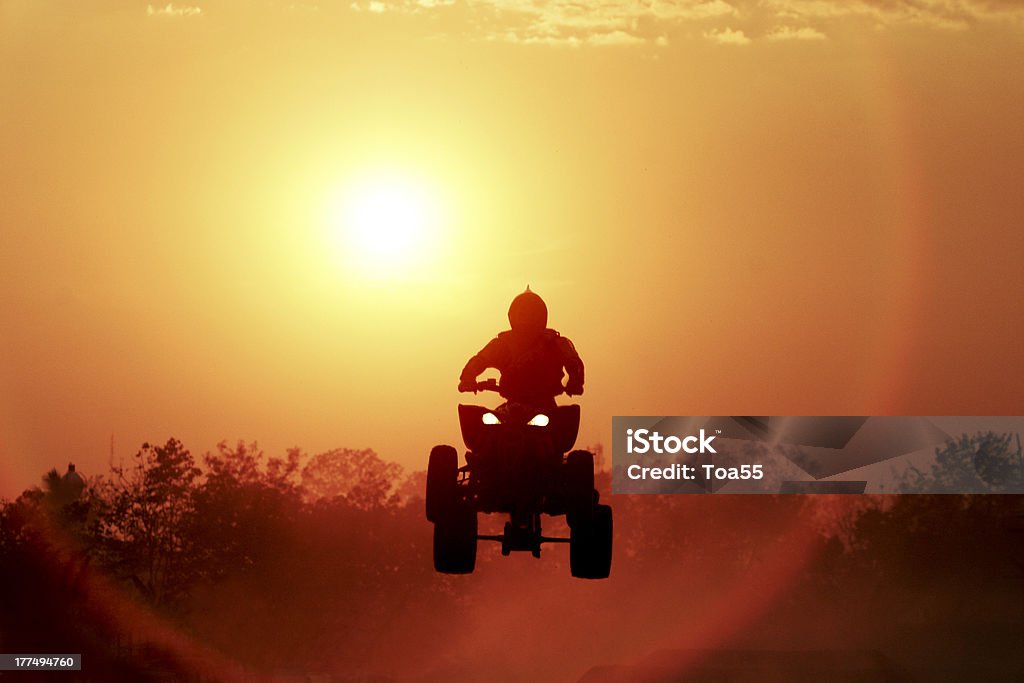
(528, 311)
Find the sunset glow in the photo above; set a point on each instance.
(253, 256)
(677, 180)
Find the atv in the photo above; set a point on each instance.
(517, 464)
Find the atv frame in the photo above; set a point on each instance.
(517, 464)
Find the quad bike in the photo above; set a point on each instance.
(517, 464)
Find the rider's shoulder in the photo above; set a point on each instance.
(547, 337)
(560, 343)
(502, 342)
(565, 344)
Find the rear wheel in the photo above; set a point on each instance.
(579, 490)
(442, 479)
(455, 541)
(590, 545)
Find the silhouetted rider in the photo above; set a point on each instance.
(530, 357)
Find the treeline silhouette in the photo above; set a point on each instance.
(239, 566)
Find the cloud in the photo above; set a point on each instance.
(615, 38)
(691, 10)
(373, 7)
(595, 22)
(942, 14)
(790, 33)
(172, 10)
(515, 37)
(727, 36)
(575, 23)
(612, 38)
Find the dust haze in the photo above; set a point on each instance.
(237, 566)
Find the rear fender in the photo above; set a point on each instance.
(563, 428)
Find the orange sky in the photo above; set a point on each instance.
(731, 208)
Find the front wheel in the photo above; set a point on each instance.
(455, 535)
(590, 545)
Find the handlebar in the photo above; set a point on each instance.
(488, 385)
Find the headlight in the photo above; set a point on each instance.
(490, 419)
(539, 420)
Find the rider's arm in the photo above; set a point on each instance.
(573, 366)
(487, 358)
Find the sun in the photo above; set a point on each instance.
(388, 220)
(385, 224)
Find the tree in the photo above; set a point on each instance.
(984, 463)
(244, 507)
(412, 489)
(145, 528)
(361, 477)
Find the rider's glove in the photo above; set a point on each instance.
(467, 385)
(574, 388)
